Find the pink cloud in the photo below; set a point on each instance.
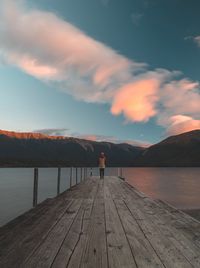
(181, 97)
(181, 123)
(53, 49)
(49, 48)
(34, 68)
(137, 100)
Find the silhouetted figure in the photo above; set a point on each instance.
(102, 165)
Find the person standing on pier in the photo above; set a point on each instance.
(102, 165)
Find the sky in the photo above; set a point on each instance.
(114, 70)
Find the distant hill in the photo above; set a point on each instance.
(180, 150)
(35, 149)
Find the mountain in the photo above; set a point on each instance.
(180, 150)
(35, 149)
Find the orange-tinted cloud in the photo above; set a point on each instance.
(49, 48)
(34, 68)
(181, 97)
(181, 123)
(137, 100)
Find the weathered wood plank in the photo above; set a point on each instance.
(76, 233)
(181, 220)
(7, 230)
(23, 235)
(95, 250)
(168, 226)
(170, 255)
(101, 223)
(74, 236)
(176, 235)
(91, 250)
(30, 234)
(119, 252)
(44, 255)
(144, 253)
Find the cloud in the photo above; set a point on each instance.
(189, 37)
(180, 124)
(197, 40)
(56, 52)
(137, 100)
(92, 137)
(181, 97)
(136, 18)
(53, 131)
(112, 139)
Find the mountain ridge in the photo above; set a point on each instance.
(36, 149)
(29, 135)
(178, 150)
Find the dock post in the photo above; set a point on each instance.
(58, 181)
(76, 175)
(121, 173)
(70, 184)
(85, 171)
(81, 174)
(35, 187)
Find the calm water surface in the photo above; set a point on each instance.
(178, 186)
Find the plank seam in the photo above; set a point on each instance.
(145, 235)
(125, 234)
(105, 225)
(178, 249)
(67, 234)
(40, 243)
(90, 217)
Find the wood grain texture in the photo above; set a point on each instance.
(101, 223)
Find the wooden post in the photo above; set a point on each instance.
(35, 187)
(70, 185)
(90, 172)
(76, 175)
(85, 170)
(121, 172)
(58, 181)
(81, 174)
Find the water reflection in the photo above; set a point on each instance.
(177, 186)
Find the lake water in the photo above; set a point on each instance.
(178, 186)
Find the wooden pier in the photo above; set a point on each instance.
(101, 223)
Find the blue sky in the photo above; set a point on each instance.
(107, 69)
